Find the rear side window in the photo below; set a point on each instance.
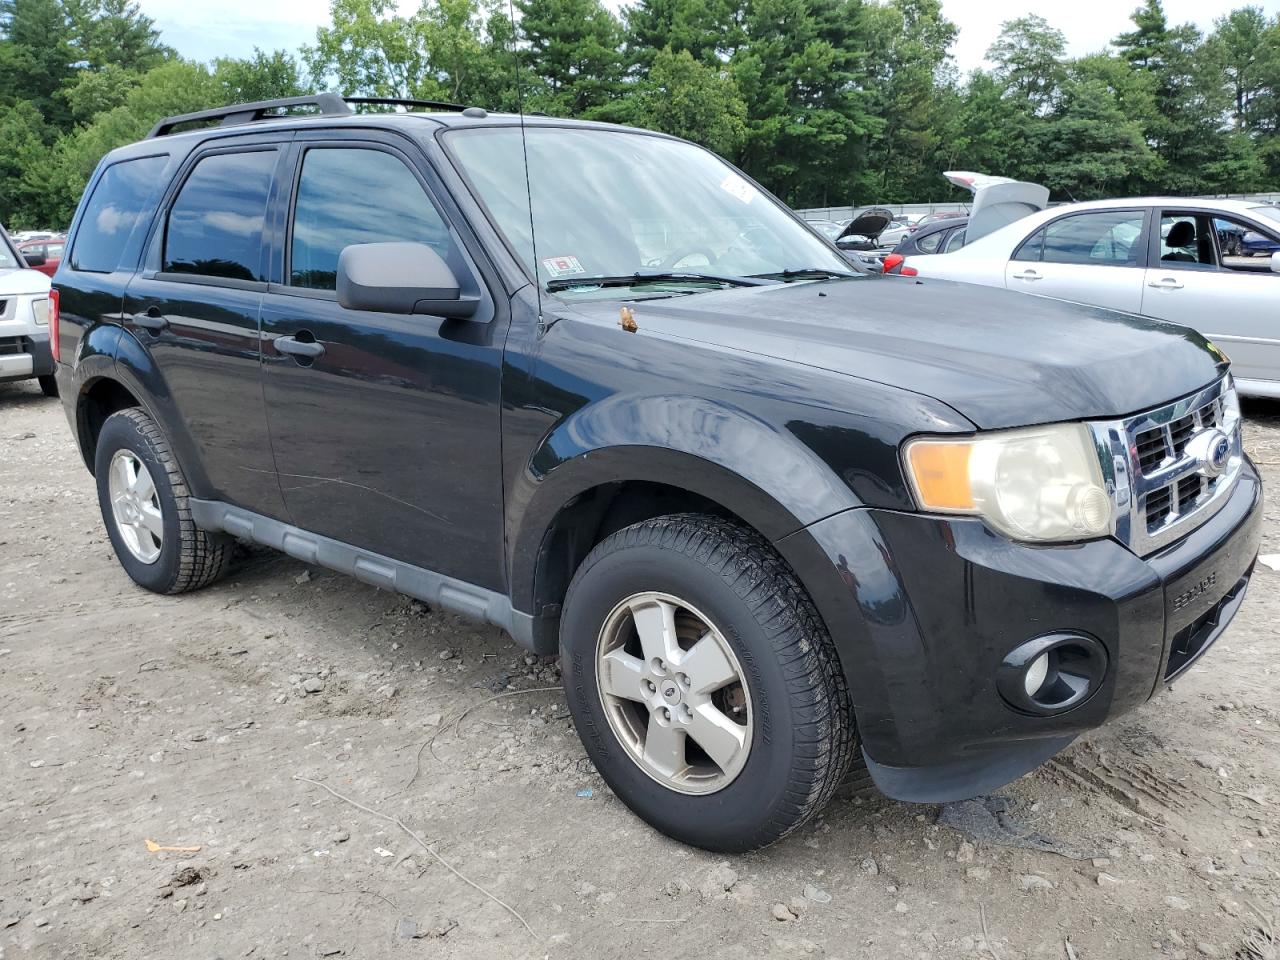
(215, 224)
(929, 242)
(1105, 237)
(123, 194)
(349, 196)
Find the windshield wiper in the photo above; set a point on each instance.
(656, 276)
(806, 273)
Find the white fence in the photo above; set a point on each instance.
(841, 214)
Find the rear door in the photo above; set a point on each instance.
(1094, 257)
(194, 308)
(388, 438)
(1233, 300)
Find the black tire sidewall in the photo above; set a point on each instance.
(122, 431)
(734, 818)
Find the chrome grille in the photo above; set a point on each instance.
(1161, 488)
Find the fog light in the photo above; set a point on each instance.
(1033, 679)
(1052, 674)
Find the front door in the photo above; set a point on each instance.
(1094, 257)
(385, 427)
(1233, 300)
(194, 307)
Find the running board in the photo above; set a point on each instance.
(430, 587)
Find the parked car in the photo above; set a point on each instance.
(24, 321)
(997, 201)
(1160, 257)
(1257, 243)
(831, 229)
(43, 255)
(773, 516)
(941, 236)
(894, 233)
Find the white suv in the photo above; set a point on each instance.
(24, 321)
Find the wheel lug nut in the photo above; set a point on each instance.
(666, 714)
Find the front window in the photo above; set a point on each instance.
(611, 204)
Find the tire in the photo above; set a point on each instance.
(49, 385)
(799, 728)
(185, 557)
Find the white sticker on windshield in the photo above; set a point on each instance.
(738, 188)
(562, 267)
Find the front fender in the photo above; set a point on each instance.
(763, 474)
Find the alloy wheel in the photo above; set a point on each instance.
(135, 506)
(674, 693)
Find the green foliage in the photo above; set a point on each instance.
(693, 100)
(824, 101)
(572, 56)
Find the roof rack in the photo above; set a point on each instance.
(329, 105)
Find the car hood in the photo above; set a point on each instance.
(869, 223)
(15, 283)
(1000, 359)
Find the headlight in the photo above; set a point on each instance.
(1038, 483)
(41, 310)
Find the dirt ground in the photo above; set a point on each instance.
(129, 720)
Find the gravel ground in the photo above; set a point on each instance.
(132, 723)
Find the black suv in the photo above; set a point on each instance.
(595, 386)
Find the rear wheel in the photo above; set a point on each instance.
(703, 683)
(144, 500)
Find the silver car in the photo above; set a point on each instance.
(1162, 257)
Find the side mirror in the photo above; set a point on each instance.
(400, 278)
(1275, 262)
(33, 260)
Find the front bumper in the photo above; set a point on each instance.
(924, 609)
(24, 357)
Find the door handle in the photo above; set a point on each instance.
(1027, 275)
(150, 319)
(299, 348)
(1168, 283)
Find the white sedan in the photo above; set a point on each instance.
(1158, 257)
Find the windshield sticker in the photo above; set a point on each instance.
(559, 267)
(738, 188)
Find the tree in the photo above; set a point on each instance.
(1187, 129)
(1088, 148)
(1245, 46)
(912, 90)
(692, 100)
(1028, 58)
(115, 32)
(264, 76)
(36, 57)
(707, 29)
(367, 50)
(803, 75)
(573, 55)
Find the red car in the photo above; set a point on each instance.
(43, 255)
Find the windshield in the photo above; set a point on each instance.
(8, 256)
(1270, 213)
(611, 204)
(828, 228)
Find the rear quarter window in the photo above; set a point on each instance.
(124, 195)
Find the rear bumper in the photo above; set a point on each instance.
(925, 609)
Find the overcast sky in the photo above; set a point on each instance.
(232, 28)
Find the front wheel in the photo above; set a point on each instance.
(703, 683)
(144, 500)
